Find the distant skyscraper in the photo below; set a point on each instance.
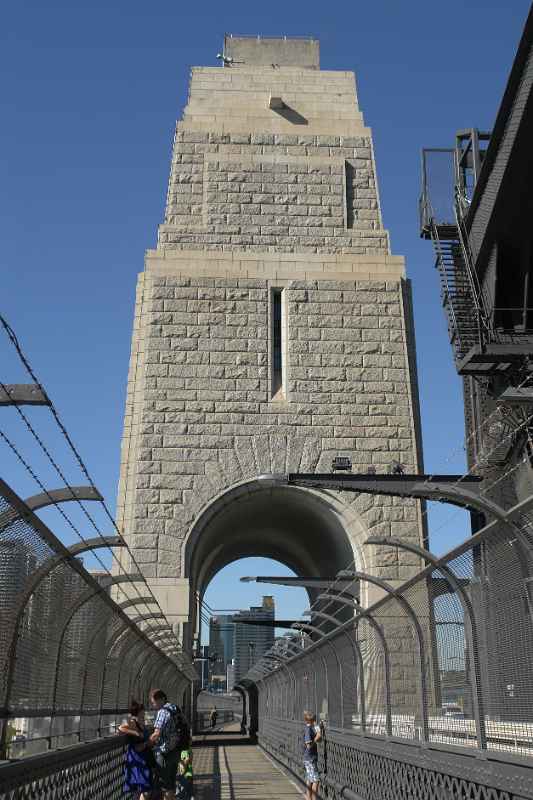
(230, 676)
(225, 622)
(204, 654)
(252, 641)
(221, 639)
(216, 648)
(221, 643)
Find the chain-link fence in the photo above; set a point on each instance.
(71, 656)
(443, 661)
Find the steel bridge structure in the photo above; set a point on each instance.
(424, 693)
(416, 695)
(75, 644)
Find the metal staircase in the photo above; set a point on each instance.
(480, 347)
(459, 301)
(449, 177)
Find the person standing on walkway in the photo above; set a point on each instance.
(213, 717)
(312, 735)
(138, 778)
(169, 732)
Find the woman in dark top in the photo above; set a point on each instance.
(138, 779)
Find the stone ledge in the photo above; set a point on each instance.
(227, 124)
(280, 266)
(235, 258)
(238, 71)
(244, 159)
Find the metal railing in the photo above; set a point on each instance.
(83, 772)
(70, 655)
(420, 683)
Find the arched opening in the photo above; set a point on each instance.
(313, 534)
(309, 532)
(229, 646)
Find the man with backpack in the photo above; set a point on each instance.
(171, 735)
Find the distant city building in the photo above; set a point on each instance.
(221, 643)
(226, 625)
(230, 676)
(252, 641)
(216, 648)
(204, 666)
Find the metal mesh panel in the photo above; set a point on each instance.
(69, 656)
(83, 772)
(128, 681)
(288, 681)
(373, 658)
(334, 668)
(149, 670)
(350, 686)
(71, 651)
(305, 686)
(501, 601)
(320, 678)
(94, 654)
(116, 638)
(444, 659)
(277, 703)
(454, 661)
(411, 663)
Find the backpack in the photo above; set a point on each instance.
(181, 726)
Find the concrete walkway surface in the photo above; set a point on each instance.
(228, 767)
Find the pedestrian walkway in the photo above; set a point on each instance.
(228, 767)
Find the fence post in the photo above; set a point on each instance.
(464, 599)
(419, 637)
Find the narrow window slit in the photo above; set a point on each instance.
(278, 344)
(349, 194)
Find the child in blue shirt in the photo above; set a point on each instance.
(312, 735)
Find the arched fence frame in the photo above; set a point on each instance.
(463, 617)
(61, 623)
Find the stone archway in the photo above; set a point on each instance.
(313, 533)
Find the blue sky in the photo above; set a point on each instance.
(90, 95)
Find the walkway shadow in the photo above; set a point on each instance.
(228, 739)
(208, 747)
(207, 774)
(207, 777)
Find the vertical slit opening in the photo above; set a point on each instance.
(349, 178)
(278, 366)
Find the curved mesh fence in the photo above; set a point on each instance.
(442, 660)
(70, 657)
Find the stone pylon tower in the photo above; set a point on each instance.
(272, 332)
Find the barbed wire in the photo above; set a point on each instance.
(14, 340)
(176, 648)
(148, 625)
